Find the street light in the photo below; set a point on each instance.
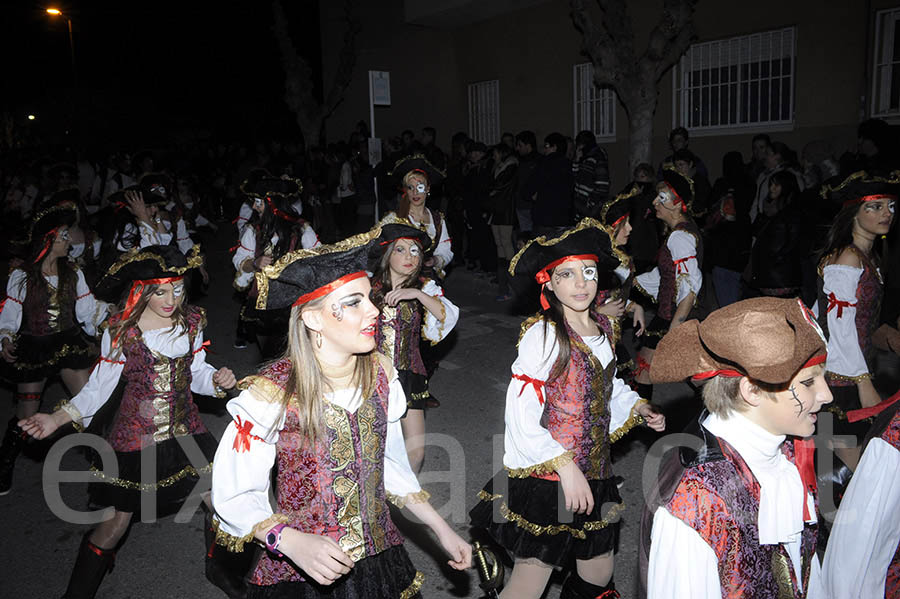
(55, 12)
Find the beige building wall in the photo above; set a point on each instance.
(532, 52)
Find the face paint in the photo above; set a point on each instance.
(258, 203)
(158, 189)
(64, 235)
(337, 310)
(797, 400)
(178, 290)
(589, 273)
(413, 250)
(420, 187)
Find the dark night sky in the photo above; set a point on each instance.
(149, 68)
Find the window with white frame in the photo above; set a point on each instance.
(595, 107)
(484, 111)
(886, 68)
(745, 81)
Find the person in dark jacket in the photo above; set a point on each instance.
(728, 229)
(551, 187)
(591, 171)
(502, 213)
(781, 241)
(476, 183)
(526, 144)
(643, 243)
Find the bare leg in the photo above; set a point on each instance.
(29, 407)
(108, 534)
(74, 380)
(528, 580)
(413, 425)
(597, 570)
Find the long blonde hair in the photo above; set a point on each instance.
(118, 325)
(307, 382)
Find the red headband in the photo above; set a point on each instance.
(137, 289)
(618, 220)
(47, 243)
(280, 213)
(326, 289)
(543, 275)
(677, 197)
(729, 373)
(871, 198)
(390, 241)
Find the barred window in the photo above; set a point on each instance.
(595, 108)
(484, 111)
(886, 67)
(744, 81)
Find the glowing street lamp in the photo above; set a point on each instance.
(55, 12)
(31, 117)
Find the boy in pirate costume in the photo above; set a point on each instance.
(734, 514)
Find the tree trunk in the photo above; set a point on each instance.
(640, 128)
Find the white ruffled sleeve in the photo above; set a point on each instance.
(89, 311)
(866, 531)
(101, 384)
(11, 308)
(681, 563)
(436, 329)
(443, 252)
(688, 277)
(202, 371)
(648, 283)
(845, 356)
(309, 239)
(244, 214)
(400, 482)
(528, 446)
(623, 410)
(147, 234)
(242, 469)
(246, 250)
(182, 237)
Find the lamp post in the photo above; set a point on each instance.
(58, 13)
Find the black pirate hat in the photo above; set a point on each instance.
(393, 227)
(416, 162)
(159, 184)
(862, 187)
(617, 208)
(149, 264)
(681, 187)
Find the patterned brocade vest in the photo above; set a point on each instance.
(334, 487)
(47, 309)
(397, 335)
(869, 292)
(668, 272)
(891, 436)
(156, 403)
(719, 499)
(576, 410)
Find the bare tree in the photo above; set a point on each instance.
(611, 48)
(298, 86)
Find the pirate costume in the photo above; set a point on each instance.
(278, 195)
(336, 486)
(849, 305)
(734, 512)
(400, 329)
(442, 251)
(574, 417)
(677, 272)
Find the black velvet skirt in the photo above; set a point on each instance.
(39, 357)
(530, 520)
(173, 482)
(387, 575)
(656, 329)
(415, 387)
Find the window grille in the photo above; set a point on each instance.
(484, 111)
(595, 108)
(886, 64)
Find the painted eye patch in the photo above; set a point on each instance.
(257, 203)
(414, 250)
(178, 290)
(589, 273)
(64, 235)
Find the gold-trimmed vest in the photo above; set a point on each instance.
(576, 410)
(156, 402)
(668, 271)
(335, 486)
(398, 332)
(47, 309)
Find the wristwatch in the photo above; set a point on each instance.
(273, 539)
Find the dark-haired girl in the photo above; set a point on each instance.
(850, 293)
(47, 310)
(154, 342)
(564, 407)
(412, 307)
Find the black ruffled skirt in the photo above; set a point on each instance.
(530, 519)
(415, 386)
(39, 357)
(388, 575)
(173, 482)
(656, 329)
(845, 399)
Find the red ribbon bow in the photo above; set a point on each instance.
(804, 450)
(202, 347)
(537, 384)
(680, 268)
(863, 413)
(243, 436)
(834, 302)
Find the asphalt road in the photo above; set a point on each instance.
(165, 558)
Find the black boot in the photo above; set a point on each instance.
(576, 587)
(225, 569)
(91, 566)
(13, 442)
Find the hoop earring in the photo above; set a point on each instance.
(319, 339)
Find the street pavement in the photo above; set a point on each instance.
(166, 558)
